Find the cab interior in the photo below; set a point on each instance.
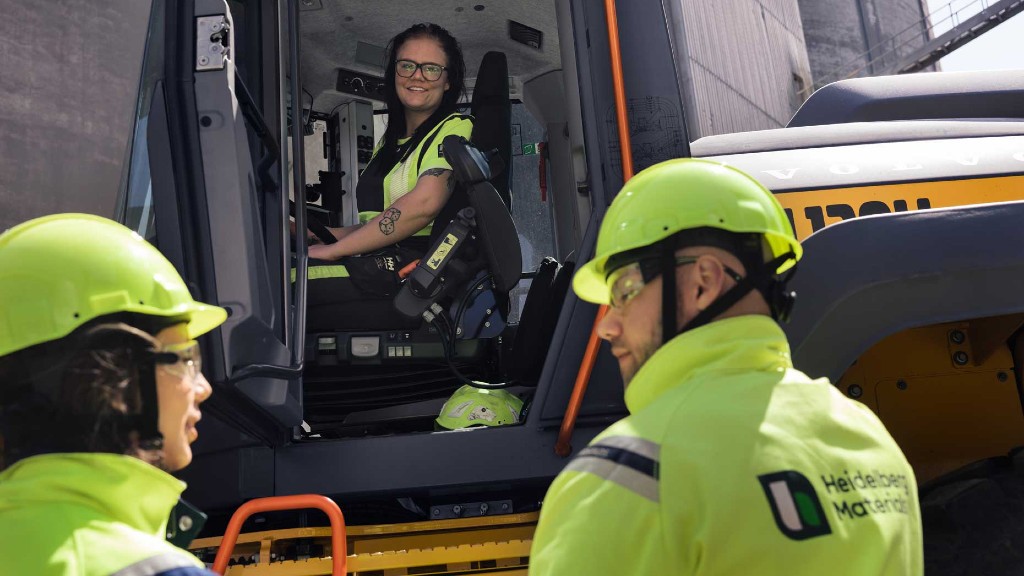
(393, 375)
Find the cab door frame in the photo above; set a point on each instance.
(212, 218)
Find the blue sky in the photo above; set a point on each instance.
(997, 49)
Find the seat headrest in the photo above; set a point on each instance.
(491, 80)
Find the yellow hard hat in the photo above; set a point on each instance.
(684, 194)
(470, 406)
(61, 271)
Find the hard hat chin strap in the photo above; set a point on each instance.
(763, 279)
(668, 293)
(147, 422)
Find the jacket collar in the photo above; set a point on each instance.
(735, 345)
(122, 488)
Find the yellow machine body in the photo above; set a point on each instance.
(948, 393)
(495, 545)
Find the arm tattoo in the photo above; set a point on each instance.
(388, 219)
(434, 172)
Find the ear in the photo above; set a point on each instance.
(708, 278)
(446, 86)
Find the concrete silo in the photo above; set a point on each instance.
(850, 38)
(750, 64)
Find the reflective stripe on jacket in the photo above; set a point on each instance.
(732, 462)
(88, 515)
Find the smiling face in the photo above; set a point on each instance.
(419, 96)
(178, 397)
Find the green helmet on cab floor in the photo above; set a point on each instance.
(470, 406)
(684, 194)
(59, 272)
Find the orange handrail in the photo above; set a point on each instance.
(619, 85)
(562, 446)
(339, 548)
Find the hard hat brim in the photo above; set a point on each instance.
(203, 318)
(589, 282)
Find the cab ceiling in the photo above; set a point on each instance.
(330, 29)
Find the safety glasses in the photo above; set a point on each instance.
(626, 282)
(180, 360)
(407, 69)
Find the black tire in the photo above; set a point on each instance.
(975, 526)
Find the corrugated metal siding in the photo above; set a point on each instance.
(747, 64)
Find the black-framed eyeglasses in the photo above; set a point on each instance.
(407, 69)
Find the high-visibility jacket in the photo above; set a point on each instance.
(732, 462)
(89, 515)
(376, 195)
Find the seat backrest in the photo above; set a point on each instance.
(492, 130)
(497, 237)
(529, 344)
(492, 119)
(537, 322)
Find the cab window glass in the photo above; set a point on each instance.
(135, 208)
(531, 208)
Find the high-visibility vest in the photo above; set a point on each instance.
(376, 192)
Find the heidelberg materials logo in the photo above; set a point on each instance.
(795, 505)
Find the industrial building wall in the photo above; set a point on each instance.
(850, 38)
(743, 63)
(69, 75)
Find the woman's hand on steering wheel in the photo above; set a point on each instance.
(314, 227)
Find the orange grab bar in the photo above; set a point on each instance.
(562, 446)
(619, 85)
(339, 548)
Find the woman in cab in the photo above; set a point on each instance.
(406, 183)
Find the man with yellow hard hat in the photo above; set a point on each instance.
(731, 461)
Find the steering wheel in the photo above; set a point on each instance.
(315, 226)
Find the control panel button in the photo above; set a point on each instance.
(365, 346)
